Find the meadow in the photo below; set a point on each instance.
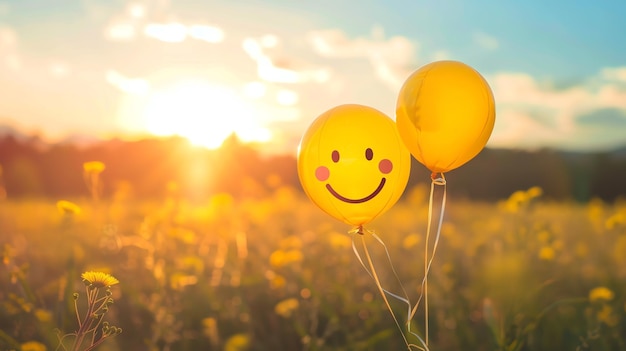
(273, 272)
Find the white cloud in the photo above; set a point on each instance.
(614, 73)
(120, 31)
(136, 10)
(530, 112)
(173, 32)
(8, 49)
(392, 59)
(286, 97)
(485, 41)
(210, 34)
(275, 69)
(255, 90)
(131, 86)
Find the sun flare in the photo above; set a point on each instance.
(204, 113)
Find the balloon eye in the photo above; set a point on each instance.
(369, 154)
(335, 156)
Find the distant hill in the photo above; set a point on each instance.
(147, 166)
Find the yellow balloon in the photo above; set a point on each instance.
(445, 114)
(352, 163)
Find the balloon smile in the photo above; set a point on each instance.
(357, 201)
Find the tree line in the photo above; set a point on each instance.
(151, 167)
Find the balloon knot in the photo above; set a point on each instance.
(359, 230)
(439, 180)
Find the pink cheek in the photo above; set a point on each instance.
(322, 173)
(385, 166)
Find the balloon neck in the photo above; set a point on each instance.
(438, 178)
(359, 230)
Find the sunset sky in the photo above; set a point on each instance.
(266, 69)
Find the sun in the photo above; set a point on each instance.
(204, 113)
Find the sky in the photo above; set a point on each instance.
(266, 69)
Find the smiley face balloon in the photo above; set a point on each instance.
(353, 164)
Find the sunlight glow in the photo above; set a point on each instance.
(205, 114)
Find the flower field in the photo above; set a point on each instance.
(274, 272)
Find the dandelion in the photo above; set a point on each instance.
(601, 293)
(534, 192)
(547, 253)
(92, 330)
(68, 207)
(281, 258)
(99, 279)
(286, 307)
(410, 241)
(340, 241)
(93, 167)
(606, 316)
(91, 173)
(278, 282)
(237, 342)
(33, 346)
(43, 315)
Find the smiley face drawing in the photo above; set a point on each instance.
(353, 164)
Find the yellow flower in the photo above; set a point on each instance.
(278, 282)
(281, 258)
(410, 241)
(99, 279)
(67, 207)
(93, 167)
(33, 346)
(340, 241)
(237, 342)
(286, 307)
(607, 316)
(601, 293)
(43, 315)
(547, 253)
(533, 192)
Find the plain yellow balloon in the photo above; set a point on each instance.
(445, 114)
(352, 163)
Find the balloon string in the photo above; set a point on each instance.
(429, 260)
(372, 273)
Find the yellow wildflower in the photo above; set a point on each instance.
(601, 293)
(286, 307)
(606, 316)
(340, 241)
(547, 253)
(615, 220)
(99, 279)
(43, 315)
(93, 167)
(410, 241)
(33, 346)
(237, 342)
(278, 282)
(67, 207)
(209, 330)
(533, 192)
(280, 258)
